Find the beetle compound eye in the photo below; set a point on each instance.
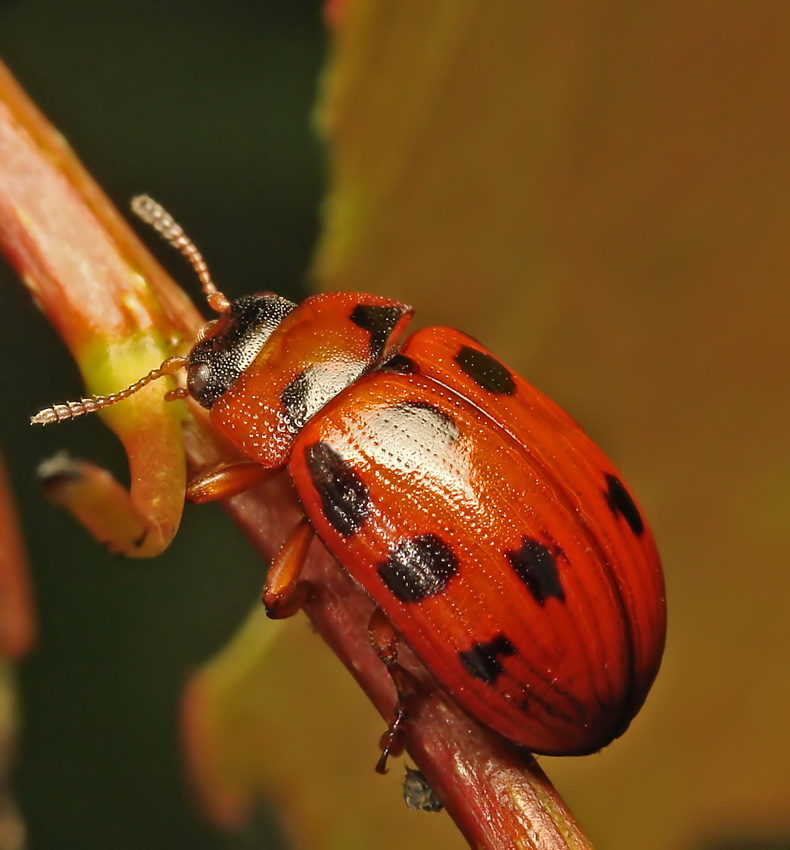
(197, 380)
(209, 379)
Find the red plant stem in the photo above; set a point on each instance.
(17, 622)
(497, 795)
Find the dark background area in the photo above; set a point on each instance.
(207, 107)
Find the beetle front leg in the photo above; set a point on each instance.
(384, 639)
(285, 592)
(225, 481)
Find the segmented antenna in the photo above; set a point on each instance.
(73, 409)
(155, 215)
(147, 209)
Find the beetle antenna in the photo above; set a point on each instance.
(147, 209)
(73, 409)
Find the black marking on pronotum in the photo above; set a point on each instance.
(486, 371)
(483, 660)
(536, 566)
(401, 364)
(419, 567)
(313, 388)
(379, 322)
(294, 399)
(620, 502)
(344, 496)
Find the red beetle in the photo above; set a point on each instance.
(496, 538)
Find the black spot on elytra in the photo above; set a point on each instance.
(483, 660)
(344, 496)
(379, 322)
(294, 399)
(536, 566)
(401, 364)
(419, 567)
(486, 371)
(620, 502)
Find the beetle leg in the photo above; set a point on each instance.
(284, 593)
(225, 481)
(391, 741)
(384, 639)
